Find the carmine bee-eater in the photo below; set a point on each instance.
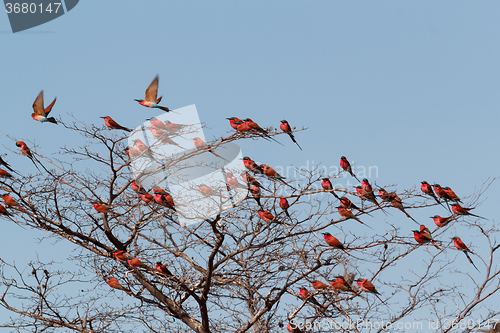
(427, 189)
(102, 207)
(113, 283)
(144, 150)
(441, 192)
(173, 127)
(334, 242)
(291, 329)
(232, 181)
(162, 269)
(396, 201)
(158, 124)
(442, 221)
(459, 210)
(251, 165)
(207, 191)
(346, 166)
(40, 113)
(161, 197)
(4, 174)
(326, 184)
(11, 202)
(158, 133)
(423, 236)
(256, 128)
(134, 262)
(5, 164)
(344, 212)
(168, 141)
(122, 256)
(306, 296)
(23, 147)
(271, 173)
(318, 285)
(255, 191)
(266, 215)
(367, 286)
(200, 144)
(151, 100)
(451, 194)
(462, 247)
(242, 127)
(132, 152)
(285, 205)
(146, 196)
(346, 203)
(136, 187)
(285, 127)
(233, 120)
(367, 192)
(384, 195)
(111, 124)
(341, 284)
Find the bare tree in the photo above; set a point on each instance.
(238, 271)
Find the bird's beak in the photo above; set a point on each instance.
(102, 117)
(136, 100)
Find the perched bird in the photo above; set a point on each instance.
(102, 207)
(318, 285)
(173, 127)
(441, 192)
(285, 127)
(121, 255)
(253, 126)
(462, 247)
(451, 194)
(334, 242)
(285, 205)
(134, 262)
(266, 215)
(111, 124)
(396, 201)
(367, 192)
(11, 202)
(367, 286)
(233, 120)
(162, 269)
(459, 210)
(132, 152)
(427, 189)
(442, 221)
(346, 166)
(242, 127)
(136, 187)
(346, 203)
(384, 195)
(146, 196)
(306, 296)
(151, 100)
(143, 149)
(5, 164)
(4, 174)
(341, 284)
(232, 181)
(23, 147)
(113, 283)
(423, 236)
(158, 124)
(251, 165)
(207, 191)
(326, 184)
(200, 144)
(255, 191)
(40, 113)
(163, 198)
(4, 212)
(271, 173)
(344, 212)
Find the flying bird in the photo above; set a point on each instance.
(41, 113)
(151, 100)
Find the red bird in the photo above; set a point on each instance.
(285, 127)
(344, 212)
(318, 285)
(427, 189)
(367, 286)
(27, 152)
(326, 184)
(255, 191)
(11, 202)
(158, 124)
(207, 191)
(102, 207)
(4, 212)
(5, 174)
(232, 122)
(396, 201)
(121, 255)
(306, 296)
(41, 113)
(334, 242)
(162, 269)
(346, 203)
(285, 205)
(451, 194)
(111, 124)
(341, 284)
(256, 128)
(136, 187)
(232, 182)
(424, 236)
(459, 210)
(163, 198)
(134, 262)
(441, 192)
(462, 247)
(266, 215)
(200, 144)
(346, 166)
(296, 329)
(242, 127)
(442, 221)
(113, 283)
(146, 196)
(251, 165)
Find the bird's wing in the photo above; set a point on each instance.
(152, 91)
(38, 105)
(49, 108)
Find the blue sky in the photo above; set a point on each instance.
(409, 87)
